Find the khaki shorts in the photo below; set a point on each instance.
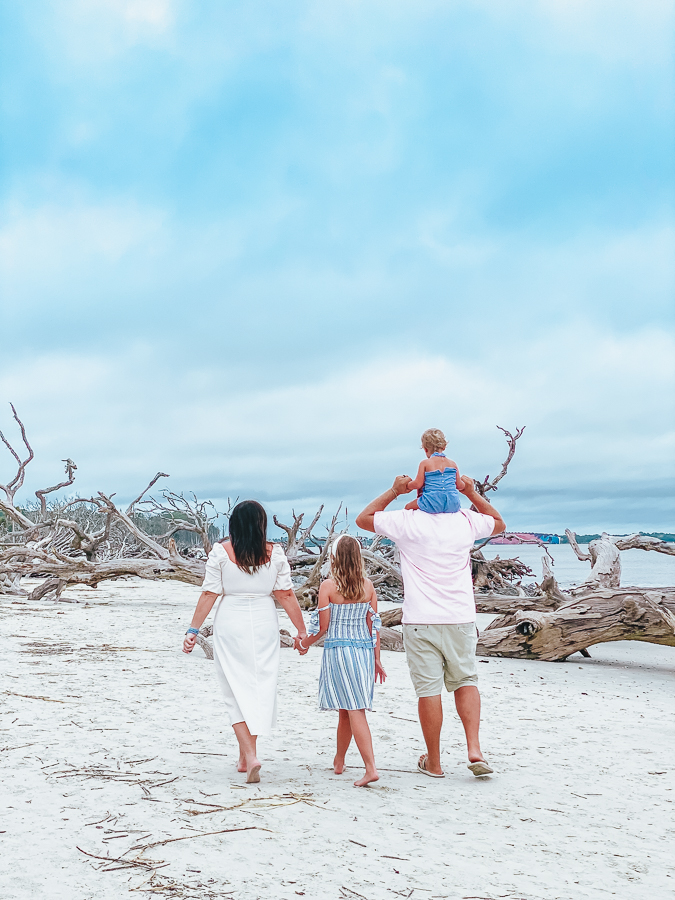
(440, 653)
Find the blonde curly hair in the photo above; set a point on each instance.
(433, 439)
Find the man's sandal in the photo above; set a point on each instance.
(480, 767)
(422, 767)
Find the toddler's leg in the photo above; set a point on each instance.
(412, 505)
(344, 739)
(364, 741)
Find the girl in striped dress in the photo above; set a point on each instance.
(347, 615)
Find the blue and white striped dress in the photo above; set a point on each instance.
(347, 674)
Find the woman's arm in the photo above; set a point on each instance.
(324, 618)
(204, 607)
(289, 601)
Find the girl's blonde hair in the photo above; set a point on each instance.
(347, 569)
(433, 439)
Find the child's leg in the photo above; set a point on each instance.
(344, 739)
(412, 505)
(364, 741)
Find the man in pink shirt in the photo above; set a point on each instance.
(439, 612)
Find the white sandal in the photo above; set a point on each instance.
(480, 767)
(421, 767)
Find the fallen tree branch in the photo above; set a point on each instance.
(629, 614)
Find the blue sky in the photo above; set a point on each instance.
(262, 246)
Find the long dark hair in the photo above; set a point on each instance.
(248, 533)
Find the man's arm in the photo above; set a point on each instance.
(365, 519)
(481, 504)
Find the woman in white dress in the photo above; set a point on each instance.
(248, 573)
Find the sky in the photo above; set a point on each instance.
(263, 246)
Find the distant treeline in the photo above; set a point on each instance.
(587, 538)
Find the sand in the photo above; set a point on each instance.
(581, 803)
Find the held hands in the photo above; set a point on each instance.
(467, 485)
(380, 674)
(189, 643)
(296, 643)
(400, 485)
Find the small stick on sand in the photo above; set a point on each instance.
(189, 837)
(141, 863)
(31, 697)
(199, 753)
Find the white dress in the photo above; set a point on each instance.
(246, 635)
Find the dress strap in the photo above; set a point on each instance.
(440, 454)
(314, 625)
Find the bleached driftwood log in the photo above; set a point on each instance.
(609, 614)
(86, 541)
(296, 535)
(605, 557)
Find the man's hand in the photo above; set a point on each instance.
(467, 485)
(365, 519)
(401, 484)
(480, 504)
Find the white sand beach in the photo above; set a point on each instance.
(113, 740)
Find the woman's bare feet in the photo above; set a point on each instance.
(367, 778)
(241, 765)
(338, 765)
(253, 771)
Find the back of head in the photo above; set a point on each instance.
(347, 569)
(248, 533)
(434, 440)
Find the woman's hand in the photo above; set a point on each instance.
(189, 643)
(379, 672)
(296, 643)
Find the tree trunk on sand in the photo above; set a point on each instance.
(612, 614)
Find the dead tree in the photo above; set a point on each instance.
(181, 513)
(490, 484)
(296, 535)
(605, 557)
(607, 614)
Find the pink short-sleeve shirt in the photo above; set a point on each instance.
(435, 562)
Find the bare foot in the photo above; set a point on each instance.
(253, 771)
(241, 765)
(338, 766)
(367, 778)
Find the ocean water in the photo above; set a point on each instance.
(638, 567)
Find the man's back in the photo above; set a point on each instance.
(435, 562)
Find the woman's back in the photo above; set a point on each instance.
(231, 580)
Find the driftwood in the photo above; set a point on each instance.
(610, 614)
(605, 558)
(90, 540)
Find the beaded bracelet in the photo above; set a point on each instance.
(194, 631)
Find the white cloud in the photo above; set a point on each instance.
(93, 32)
(598, 412)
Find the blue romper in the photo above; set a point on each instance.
(347, 674)
(440, 494)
